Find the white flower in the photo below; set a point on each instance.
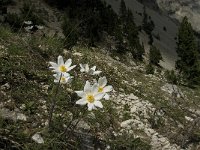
(90, 96)
(28, 28)
(62, 77)
(21, 116)
(62, 67)
(39, 27)
(85, 68)
(102, 88)
(28, 22)
(37, 138)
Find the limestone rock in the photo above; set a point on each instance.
(12, 115)
(82, 125)
(172, 89)
(132, 96)
(5, 86)
(126, 123)
(38, 138)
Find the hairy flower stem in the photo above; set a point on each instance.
(74, 126)
(53, 104)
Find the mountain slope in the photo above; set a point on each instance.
(144, 111)
(180, 8)
(167, 42)
(177, 9)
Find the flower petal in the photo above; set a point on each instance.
(60, 60)
(65, 74)
(94, 88)
(90, 106)
(102, 81)
(99, 96)
(56, 80)
(86, 67)
(82, 68)
(93, 68)
(81, 65)
(81, 101)
(98, 104)
(70, 68)
(56, 75)
(97, 72)
(87, 87)
(56, 70)
(68, 63)
(108, 88)
(69, 79)
(80, 93)
(107, 97)
(53, 64)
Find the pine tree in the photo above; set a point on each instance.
(188, 63)
(154, 55)
(131, 32)
(150, 69)
(120, 45)
(122, 10)
(148, 25)
(145, 19)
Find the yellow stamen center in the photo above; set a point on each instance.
(63, 68)
(90, 98)
(62, 79)
(100, 89)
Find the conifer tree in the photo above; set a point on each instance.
(131, 30)
(188, 62)
(120, 45)
(154, 55)
(148, 25)
(145, 19)
(122, 10)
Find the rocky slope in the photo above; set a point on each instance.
(180, 8)
(144, 110)
(177, 9)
